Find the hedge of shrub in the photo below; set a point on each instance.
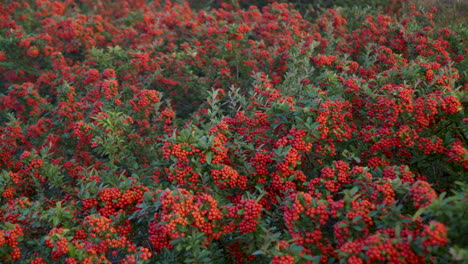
(152, 132)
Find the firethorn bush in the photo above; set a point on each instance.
(164, 132)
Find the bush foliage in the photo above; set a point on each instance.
(156, 132)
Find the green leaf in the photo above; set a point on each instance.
(398, 230)
(418, 213)
(258, 252)
(296, 249)
(71, 250)
(55, 220)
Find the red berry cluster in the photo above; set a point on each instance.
(9, 242)
(148, 131)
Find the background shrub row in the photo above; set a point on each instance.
(156, 132)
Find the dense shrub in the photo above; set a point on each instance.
(152, 132)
